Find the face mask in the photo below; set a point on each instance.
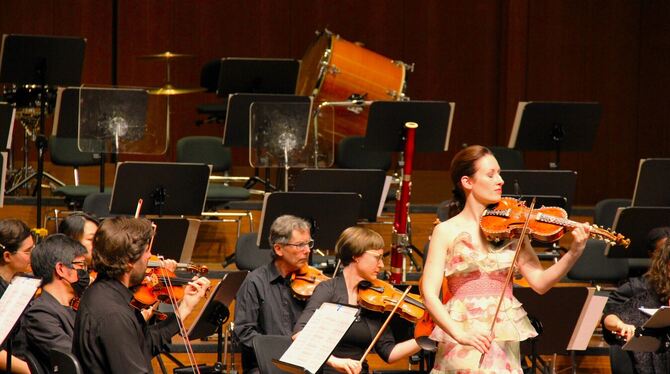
(83, 279)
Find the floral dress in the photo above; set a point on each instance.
(475, 279)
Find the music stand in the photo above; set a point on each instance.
(41, 60)
(651, 173)
(216, 312)
(316, 208)
(635, 223)
(386, 125)
(3, 178)
(369, 183)
(558, 126)
(7, 116)
(175, 237)
(556, 183)
(177, 189)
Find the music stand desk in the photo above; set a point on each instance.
(634, 223)
(652, 173)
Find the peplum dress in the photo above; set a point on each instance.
(475, 279)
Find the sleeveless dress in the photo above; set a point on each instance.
(475, 279)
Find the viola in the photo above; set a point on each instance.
(383, 297)
(155, 262)
(305, 280)
(546, 224)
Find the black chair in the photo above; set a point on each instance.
(97, 204)
(593, 266)
(64, 362)
(508, 158)
(210, 150)
(247, 254)
(267, 347)
(33, 363)
(352, 155)
(605, 211)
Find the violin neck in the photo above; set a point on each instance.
(157, 264)
(546, 218)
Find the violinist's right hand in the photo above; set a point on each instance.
(625, 330)
(480, 340)
(345, 365)
(194, 291)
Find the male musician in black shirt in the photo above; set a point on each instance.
(48, 323)
(264, 304)
(111, 336)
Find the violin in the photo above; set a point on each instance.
(546, 224)
(380, 296)
(155, 262)
(161, 285)
(305, 280)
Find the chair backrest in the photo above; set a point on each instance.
(97, 204)
(247, 254)
(605, 211)
(594, 266)
(352, 155)
(65, 152)
(204, 150)
(33, 363)
(267, 347)
(508, 158)
(64, 362)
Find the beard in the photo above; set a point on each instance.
(137, 275)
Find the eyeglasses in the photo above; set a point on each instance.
(376, 255)
(80, 263)
(309, 244)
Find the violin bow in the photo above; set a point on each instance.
(508, 279)
(381, 330)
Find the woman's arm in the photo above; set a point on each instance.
(614, 324)
(540, 279)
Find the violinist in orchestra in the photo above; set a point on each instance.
(622, 317)
(361, 252)
(110, 334)
(48, 322)
(476, 272)
(264, 304)
(16, 244)
(81, 227)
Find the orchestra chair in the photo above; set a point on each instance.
(64, 362)
(352, 155)
(65, 152)
(267, 347)
(247, 254)
(594, 267)
(210, 150)
(97, 204)
(33, 364)
(605, 211)
(508, 158)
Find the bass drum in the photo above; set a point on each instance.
(334, 69)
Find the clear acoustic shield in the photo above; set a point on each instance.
(323, 127)
(122, 120)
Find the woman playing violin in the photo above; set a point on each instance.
(361, 252)
(476, 271)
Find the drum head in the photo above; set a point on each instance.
(311, 68)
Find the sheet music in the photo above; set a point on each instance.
(14, 302)
(321, 334)
(650, 311)
(385, 192)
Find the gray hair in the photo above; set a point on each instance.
(282, 228)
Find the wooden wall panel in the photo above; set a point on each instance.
(485, 55)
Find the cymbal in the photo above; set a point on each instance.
(169, 90)
(166, 56)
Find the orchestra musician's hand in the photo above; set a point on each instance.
(169, 264)
(194, 291)
(580, 234)
(345, 365)
(625, 330)
(477, 339)
(148, 312)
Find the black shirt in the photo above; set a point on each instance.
(264, 306)
(47, 324)
(360, 335)
(110, 336)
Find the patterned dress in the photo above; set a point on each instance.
(475, 278)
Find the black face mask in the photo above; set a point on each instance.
(83, 280)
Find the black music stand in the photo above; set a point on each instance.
(317, 208)
(528, 183)
(7, 116)
(214, 315)
(635, 223)
(652, 173)
(177, 189)
(45, 61)
(558, 126)
(236, 128)
(369, 183)
(175, 237)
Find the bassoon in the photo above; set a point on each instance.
(400, 236)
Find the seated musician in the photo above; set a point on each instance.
(264, 303)
(623, 317)
(16, 244)
(110, 334)
(361, 252)
(48, 322)
(81, 227)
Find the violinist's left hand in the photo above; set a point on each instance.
(169, 264)
(580, 234)
(194, 291)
